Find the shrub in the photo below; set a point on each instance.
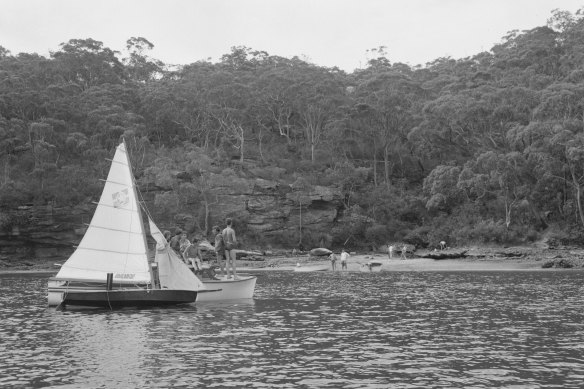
(377, 234)
(418, 237)
(485, 231)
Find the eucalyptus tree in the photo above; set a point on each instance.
(386, 98)
(230, 104)
(87, 63)
(441, 190)
(177, 105)
(139, 65)
(317, 92)
(23, 86)
(497, 176)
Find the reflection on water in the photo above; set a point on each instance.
(330, 330)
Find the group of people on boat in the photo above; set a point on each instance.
(191, 254)
(344, 258)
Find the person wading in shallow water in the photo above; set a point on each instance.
(230, 241)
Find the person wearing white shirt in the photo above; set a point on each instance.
(344, 256)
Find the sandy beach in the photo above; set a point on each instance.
(399, 265)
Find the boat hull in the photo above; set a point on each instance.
(228, 289)
(129, 298)
(372, 268)
(303, 269)
(96, 294)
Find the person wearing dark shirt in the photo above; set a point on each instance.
(220, 249)
(175, 241)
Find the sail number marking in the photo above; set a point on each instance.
(124, 276)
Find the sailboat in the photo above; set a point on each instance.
(111, 267)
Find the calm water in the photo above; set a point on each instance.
(328, 330)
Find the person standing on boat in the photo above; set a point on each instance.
(220, 249)
(230, 241)
(333, 259)
(344, 257)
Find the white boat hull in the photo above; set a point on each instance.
(312, 268)
(228, 289)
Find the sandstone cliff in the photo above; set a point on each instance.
(269, 213)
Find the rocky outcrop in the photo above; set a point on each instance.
(42, 233)
(271, 211)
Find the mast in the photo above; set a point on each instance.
(141, 221)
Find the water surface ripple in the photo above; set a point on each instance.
(327, 330)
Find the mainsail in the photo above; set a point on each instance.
(115, 239)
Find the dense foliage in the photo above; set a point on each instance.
(482, 149)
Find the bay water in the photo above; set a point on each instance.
(521, 329)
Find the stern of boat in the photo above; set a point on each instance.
(229, 289)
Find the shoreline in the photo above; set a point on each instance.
(413, 264)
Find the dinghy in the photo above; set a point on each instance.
(320, 252)
(371, 267)
(311, 268)
(241, 287)
(110, 267)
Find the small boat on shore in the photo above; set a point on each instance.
(371, 267)
(320, 252)
(311, 268)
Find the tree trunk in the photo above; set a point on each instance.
(206, 217)
(6, 169)
(375, 168)
(242, 140)
(507, 213)
(386, 165)
(578, 195)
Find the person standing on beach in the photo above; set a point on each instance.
(344, 257)
(404, 252)
(333, 259)
(390, 251)
(230, 241)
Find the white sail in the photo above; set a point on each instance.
(115, 239)
(173, 272)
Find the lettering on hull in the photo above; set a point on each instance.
(124, 276)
